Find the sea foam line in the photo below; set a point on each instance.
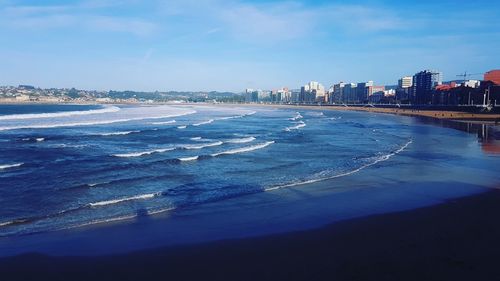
(301, 124)
(201, 146)
(241, 140)
(125, 199)
(103, 122)
(243, 149)
(378, 160)
(164, 123)
(107, 109)
(119, 133)
(9, 166)
(204, 123)
(186, 159)
(139, 154)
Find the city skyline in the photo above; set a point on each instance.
(232, 45)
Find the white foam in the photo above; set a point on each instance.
(142, 153)
(164, 123)
(296, 117)
(119, 133)
(125, 199)
(40, 139)
(185, 159)
(204, 123)
(301, 124)
(107, 109)
(196, 138)
(182, 127)
(203, 145)
(377, 160)
(92, 123)
(9, 166)
(237, 116)
(244, 149)
(242, 140)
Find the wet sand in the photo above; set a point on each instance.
(457, 240)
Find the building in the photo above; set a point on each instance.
(405, 82)
(312, 92)
(363, 91)
(424, 83)
(338, 92)
(251, 95)
(493, 76)
(349, 93)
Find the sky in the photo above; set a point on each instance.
(231, 45)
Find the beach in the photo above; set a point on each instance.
(457, 240)
(406, 200)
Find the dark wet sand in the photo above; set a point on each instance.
(458, 240)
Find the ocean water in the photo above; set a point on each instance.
(64, 167)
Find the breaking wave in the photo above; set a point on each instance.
(301, 124)
(142, 153)
(204, 123)
(125, 199)
(376, 161)
(10, 166)
(244, 149)
(242, 140)
(107, 109)
(119, 133)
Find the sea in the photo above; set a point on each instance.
(73, 166)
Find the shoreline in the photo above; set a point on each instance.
(420, 244)
(435, 114)
(489, 118)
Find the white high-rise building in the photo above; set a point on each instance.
(405, 82)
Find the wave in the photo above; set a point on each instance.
(202, 145)
(301, 124)
(204, 123)
(9, 166)
(119, 133)
(237, 116)
(164, 123)
(296, 117)
(182, 127)
(242, 140)
(196, 138)
(376, 161)
(107, 109)
(185, 159)
(142, 153)
(92, 123)
(336, 118)
(125, 199)
(243, 149)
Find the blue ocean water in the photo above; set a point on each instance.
(69, 166)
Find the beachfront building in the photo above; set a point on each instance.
(251, 95)
(493, 76)
(338, 92)
(312, 92)
(363, 92)
(349, 93)
(424, 83)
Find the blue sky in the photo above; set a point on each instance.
(235, 44)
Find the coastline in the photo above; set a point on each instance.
(436, 114)
(335, 250)
(456, 240)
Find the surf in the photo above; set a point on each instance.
(107, 109)
(244, 149)
(348, 173)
